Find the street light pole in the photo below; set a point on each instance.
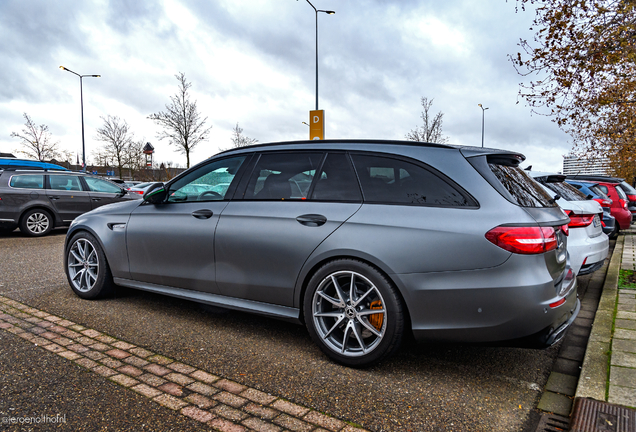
(328, 12)
(483, 110)
(82, 111)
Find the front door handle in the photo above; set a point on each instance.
(311, 220)
(202, 214)
(54, 198)
(96, 199)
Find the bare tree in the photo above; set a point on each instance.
(36, 140)
(181, 122)
(117, 137)
(431, 129)
(240, 140)
(134, 156)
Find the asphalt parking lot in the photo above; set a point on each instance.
(422, 388)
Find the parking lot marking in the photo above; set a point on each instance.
(220, 403)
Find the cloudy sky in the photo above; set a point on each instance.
(253, 62)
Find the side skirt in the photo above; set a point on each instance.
(266, 309)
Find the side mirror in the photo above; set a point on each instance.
(155, 194)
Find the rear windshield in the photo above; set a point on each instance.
(597, 190)
(523, 189)
(566, 190)
(628, 188)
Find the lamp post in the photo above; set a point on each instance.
(82, 111)
(328, 12)
(483, 110)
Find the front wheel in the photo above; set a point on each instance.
(353, 313)
(86, 267)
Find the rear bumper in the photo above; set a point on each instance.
(585, 250)
(498, 305)
(623, 217)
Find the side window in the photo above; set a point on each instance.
(604, 189)
(207, 183)
(28, 181)
(98, 185)
(64, 182)
(337, 180)
(394, 181)
(283, 176)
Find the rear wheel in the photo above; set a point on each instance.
(86, 267)
(614, 234)
(36, 222)
(353, 313)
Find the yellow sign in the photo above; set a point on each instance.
(317, 125)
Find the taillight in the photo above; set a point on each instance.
(524, 240)
(577, 221)
(565, 229)
(622, 203)
(138, 192)
(631, 197)
(603, 202)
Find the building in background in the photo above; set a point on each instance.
(573, 165)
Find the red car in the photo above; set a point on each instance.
(614, 188)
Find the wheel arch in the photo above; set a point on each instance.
(49, 210)
(311, 268)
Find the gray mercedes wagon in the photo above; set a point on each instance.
(361, 241)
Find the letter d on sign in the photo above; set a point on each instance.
(317, 125)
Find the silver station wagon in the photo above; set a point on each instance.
(361, 241)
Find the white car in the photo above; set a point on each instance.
(587, 244)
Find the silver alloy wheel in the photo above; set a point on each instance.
(37, 222)
(83, 265)
(349, 313)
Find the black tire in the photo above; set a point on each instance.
(86, 267)
(36, 223)
(614, 234)
(345, 326)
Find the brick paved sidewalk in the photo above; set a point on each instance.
(219, 403)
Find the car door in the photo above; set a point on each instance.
(66, 194)
(264, 238)
(102, 192)
(172, 243)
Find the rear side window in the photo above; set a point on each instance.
(64, 182)
(28, 181)
(395, 181)
(566, 190)
(283, 176)
(337, 180)
(523, 189)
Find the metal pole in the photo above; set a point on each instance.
(82, 114)
(483, 110)
(316, 59)
(81, 111)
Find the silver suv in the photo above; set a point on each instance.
(39, 200)
(361, 241)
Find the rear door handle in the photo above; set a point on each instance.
(54, 197)
(96, 199)
(311, 220)
(202, 214)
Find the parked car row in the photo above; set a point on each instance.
(360, 241)
(588, 246)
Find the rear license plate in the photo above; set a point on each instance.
(596, 221)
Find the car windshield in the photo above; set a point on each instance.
(628, 188)
(566, 190)
(526, 191)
